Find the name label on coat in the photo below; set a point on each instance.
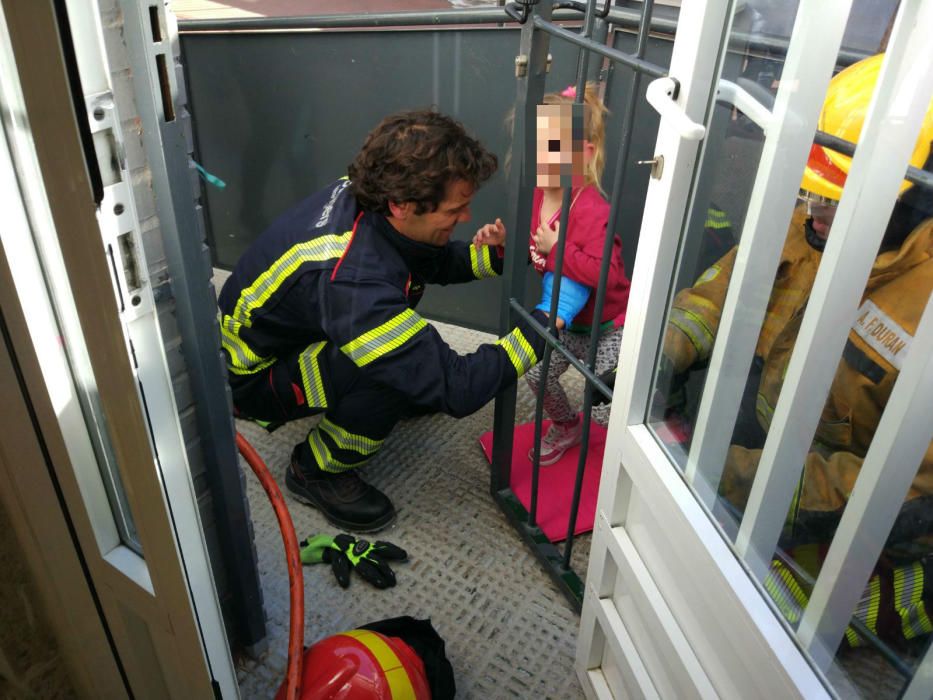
(882, 333)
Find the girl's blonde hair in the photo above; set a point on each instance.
(594, 127)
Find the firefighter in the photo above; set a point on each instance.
(898, 288)
(319, 314)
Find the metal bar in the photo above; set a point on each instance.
(566, 579)
(553, 342)
(900, 101)
(583, 59)
(612, 54)
(625, 18)
(641, 45)
(528, 93)
(890, 466)
(914, 175)
(817, 36)
(758, 108)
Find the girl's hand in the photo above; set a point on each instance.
(490, 234)
(545, 237)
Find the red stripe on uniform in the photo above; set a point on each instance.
(347, 249)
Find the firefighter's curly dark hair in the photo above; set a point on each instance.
(411, 156)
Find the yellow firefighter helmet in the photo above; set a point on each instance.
(843, 114)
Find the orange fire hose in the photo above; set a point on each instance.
(293, 558)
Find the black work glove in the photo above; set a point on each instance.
(345, 552)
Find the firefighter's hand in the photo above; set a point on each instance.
(545, 237)
(368, 559)
(490, 234)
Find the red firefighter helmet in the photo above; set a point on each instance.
(362, 665)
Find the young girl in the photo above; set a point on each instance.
(583, 255)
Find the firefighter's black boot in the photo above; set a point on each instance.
(344, 498)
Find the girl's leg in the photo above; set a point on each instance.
(607, 356)
(556, 405)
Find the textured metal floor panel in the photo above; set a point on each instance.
(510, 633)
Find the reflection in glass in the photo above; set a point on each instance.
(890, 626)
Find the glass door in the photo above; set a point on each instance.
(764, 504)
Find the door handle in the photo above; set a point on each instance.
(660, 95)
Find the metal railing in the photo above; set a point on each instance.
(536, 32)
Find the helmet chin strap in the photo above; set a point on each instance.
(815, 241)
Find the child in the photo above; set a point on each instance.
(583, 255)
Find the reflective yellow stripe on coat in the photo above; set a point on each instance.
(384, 338)
(519, 350)
(481, 262)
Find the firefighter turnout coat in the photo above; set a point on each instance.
(894, 299)
(324, 302)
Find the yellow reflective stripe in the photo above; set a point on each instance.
(325, 460)
(785, 592)
(519, 350)
(346, 440)
(764, 409)
(867, 608)
(908, 589)
(716, 218)
(385, 338)
(311, 375)
(709, 275)
(695, 328)
(481, 262)
(243, 360)
(396, 675)
(319, 249)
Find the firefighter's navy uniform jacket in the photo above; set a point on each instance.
(319, 316)
(895, 296)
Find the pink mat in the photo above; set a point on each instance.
(555, 483)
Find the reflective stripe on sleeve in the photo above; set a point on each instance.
(481, 262)
(519, 350)
(695, 328)
(384, 338)
(243, 360)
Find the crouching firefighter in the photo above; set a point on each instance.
(895, 604)
(319, 314)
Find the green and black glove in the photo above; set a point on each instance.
(345, 552)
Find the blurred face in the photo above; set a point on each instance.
(434, 227)
(561, 152)
(821, 211)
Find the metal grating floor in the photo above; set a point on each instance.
(509, 632)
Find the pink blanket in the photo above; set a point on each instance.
(555, 483)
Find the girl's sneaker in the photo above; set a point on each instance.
(559, 438)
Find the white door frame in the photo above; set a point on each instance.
(670, 609)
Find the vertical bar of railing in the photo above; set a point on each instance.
(614, 212)
(902, 96)
(815, 42)
(529, 91)
(583, 58)
(902, 438)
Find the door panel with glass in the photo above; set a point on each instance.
(773, 406)
(110, 424)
